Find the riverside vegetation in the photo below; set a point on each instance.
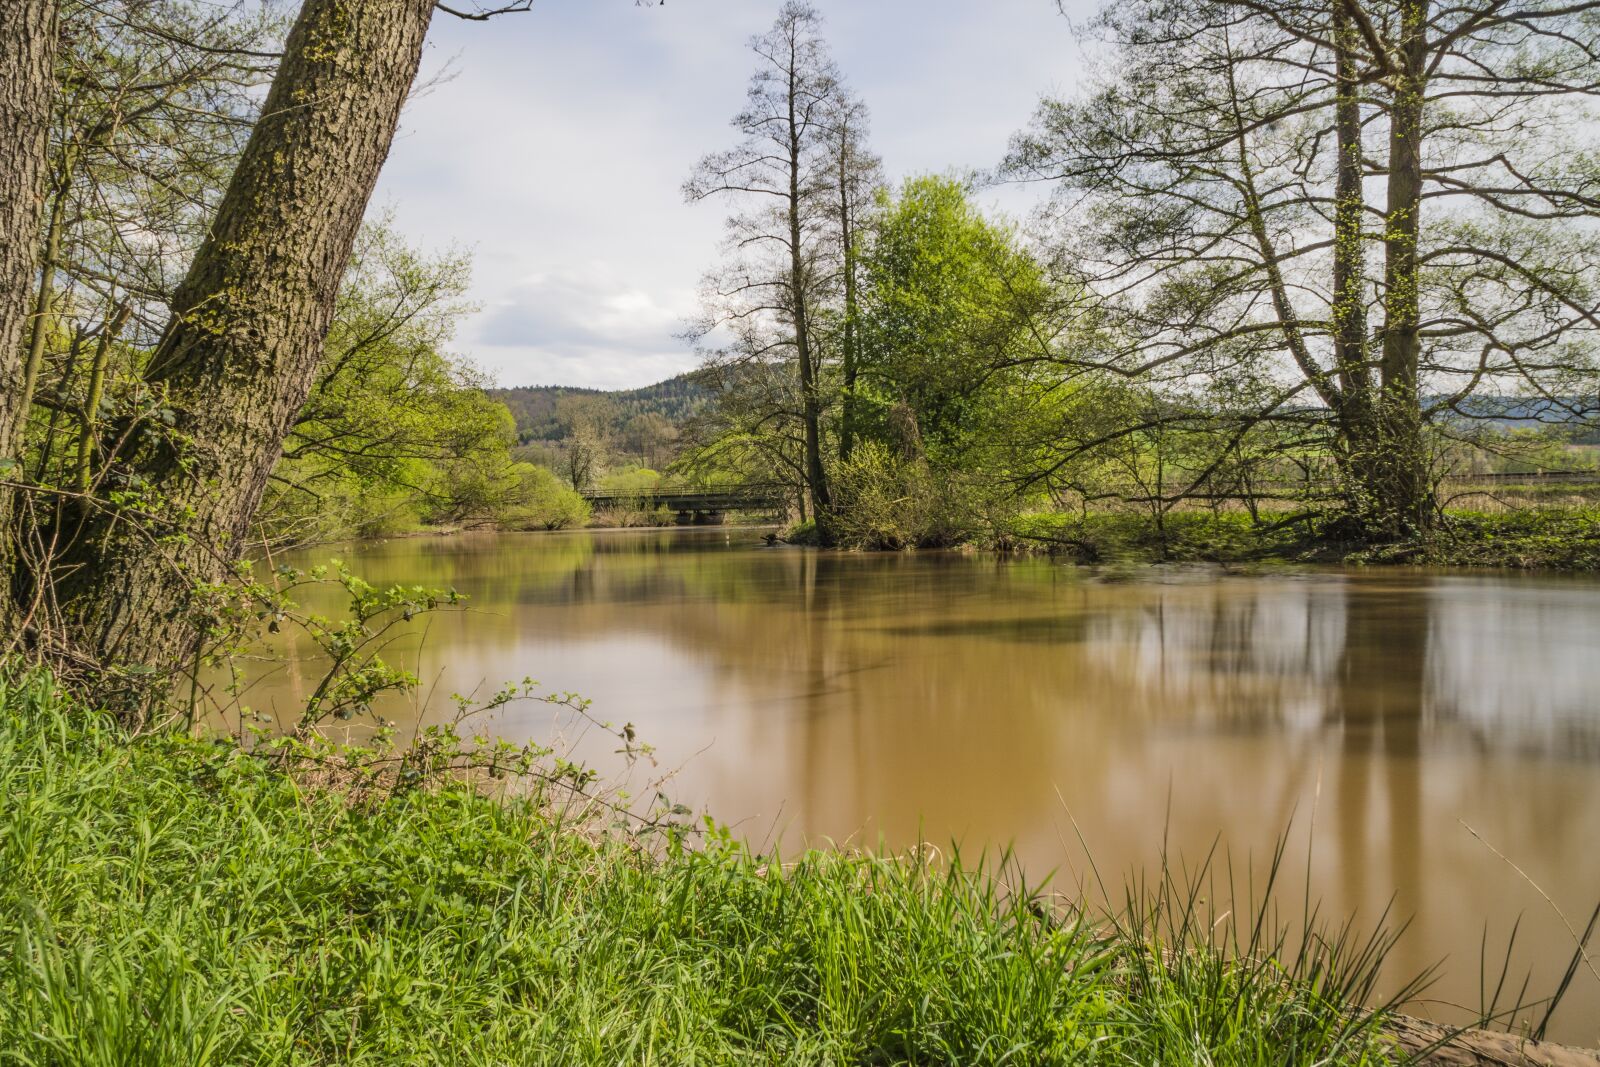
(209, 349)
(176, 900)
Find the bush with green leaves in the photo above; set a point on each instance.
(541, 501)
(889, 502)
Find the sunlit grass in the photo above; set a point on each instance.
(169, 901)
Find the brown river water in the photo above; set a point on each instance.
(1072, 712)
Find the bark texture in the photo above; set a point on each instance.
(1357, 428)
(244, 343)
(28, 44)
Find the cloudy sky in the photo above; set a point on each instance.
(556, 146)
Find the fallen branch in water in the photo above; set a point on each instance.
(1439, 1046)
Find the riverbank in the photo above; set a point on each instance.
(1556, 538)
(1561, 537)
(170, 900)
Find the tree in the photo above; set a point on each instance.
(781, 266)
(856, 177)
(586, 421)
(650, 436)
(538, 500)
(392, 414)
(944, 313)
(749, 431)
(244, 343)
(1224, 179)
(28, 46)
(947, 312)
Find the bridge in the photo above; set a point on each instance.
(705, 506)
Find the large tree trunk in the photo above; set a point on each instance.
(1358, 442)
(28, 45)
(245, 340)
(1399, 487)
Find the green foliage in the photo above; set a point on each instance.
(946, 304)
(1525, 450)
(1184, 536)
(397, 431)
(633, 484)
(631, 480)
(885, 502)
(802, 533)
(541, 501)
(1532, 538)
(1526, 539)
(948, 403)
(168, 900)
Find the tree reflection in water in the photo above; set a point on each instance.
(867, 697)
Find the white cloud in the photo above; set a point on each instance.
(558, 148)
(587, 326)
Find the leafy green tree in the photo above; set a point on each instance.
(540, 500)
(947, 311)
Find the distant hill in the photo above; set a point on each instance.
(534, 406)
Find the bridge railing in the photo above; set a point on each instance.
(742, 491)
(720, 498)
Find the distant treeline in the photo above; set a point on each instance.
(535, 408)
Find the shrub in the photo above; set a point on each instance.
(540, 501)
(885, 502)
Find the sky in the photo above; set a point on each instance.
(553, 146)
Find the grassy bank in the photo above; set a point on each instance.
(1555, 538)
(171, 901)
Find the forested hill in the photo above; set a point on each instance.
(535, 406)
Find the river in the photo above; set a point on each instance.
(1073, 712)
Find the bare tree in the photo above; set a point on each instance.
(769, 293)
(856, 176)
(587, 422)
(650, 436)
(1236, 159)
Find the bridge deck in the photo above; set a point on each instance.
(740, 498)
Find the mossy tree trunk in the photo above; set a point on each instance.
(1357, 428)
(1399, 481)
(244, 343)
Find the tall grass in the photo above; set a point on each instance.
(172, 901)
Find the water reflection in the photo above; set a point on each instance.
(862, 698)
